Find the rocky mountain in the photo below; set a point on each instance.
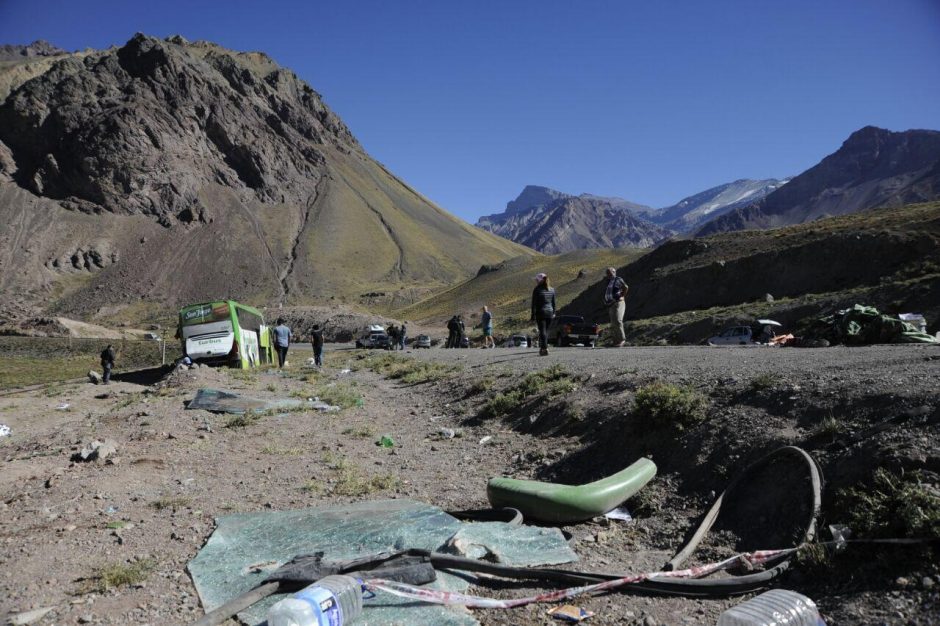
(38, 48)
(873, 168)
(575, 223)
(689, 213)
(554, 222)
(531, 197)
(168, 171)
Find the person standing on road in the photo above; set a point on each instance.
(461, 331)
(316, 340)
(452, 333)
(402, 335)
(107, 363)
(614, 297)
(282, 337)
(486, 321)
(543, 309)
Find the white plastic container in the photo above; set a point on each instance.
(777, 607)
(331, 601)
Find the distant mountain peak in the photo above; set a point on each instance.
(874, 167)
(554, 222)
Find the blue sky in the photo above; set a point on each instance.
(651, 101)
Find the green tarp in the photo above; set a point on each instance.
(863, 325)
(246, 547)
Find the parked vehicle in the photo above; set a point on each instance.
(422, 341)
(567, 330)
(516, 341)
(375, 337)
(759, 332)
(225, 333)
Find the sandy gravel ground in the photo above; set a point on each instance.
(62, 523)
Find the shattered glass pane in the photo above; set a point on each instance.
(246, 547)
(219, 401)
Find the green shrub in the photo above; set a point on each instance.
(343, 395)
(244, 420)
(894, 506)
(120, 574)
(550, 382)
(762, 381)
(503, 403)
(663, 403)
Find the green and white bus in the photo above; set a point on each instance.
(225, 333)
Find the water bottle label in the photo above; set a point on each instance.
(324, 604)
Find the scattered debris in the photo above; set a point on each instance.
(345, 371)
(486, 439)
(96, 451)
(221, 570)
(29, 617)
(774, 606)
(63, 407)
(5, 430)
(386, 442)
(620, 513)
(554, 503)
(219, 401)
(447, 433)
(94, 377)
(863, 325)
(570, 613)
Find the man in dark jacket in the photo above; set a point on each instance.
(543, 309)
(452, 332)
(614, 298)
(107, 363)
(316, 340)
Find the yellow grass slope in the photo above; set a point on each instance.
(506, 290)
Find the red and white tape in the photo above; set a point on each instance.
(434, 596)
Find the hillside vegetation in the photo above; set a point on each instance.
(506, 287)
(889, 258)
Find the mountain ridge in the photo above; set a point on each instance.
(874, 167)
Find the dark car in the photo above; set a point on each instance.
(375, 338)
(568, 330)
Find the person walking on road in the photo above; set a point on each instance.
(282, 337)
(543, 309)
(107, 363)
(316, 340)
(614, 297)
(486, 321)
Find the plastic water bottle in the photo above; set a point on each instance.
(331, 601)
(777, 607)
